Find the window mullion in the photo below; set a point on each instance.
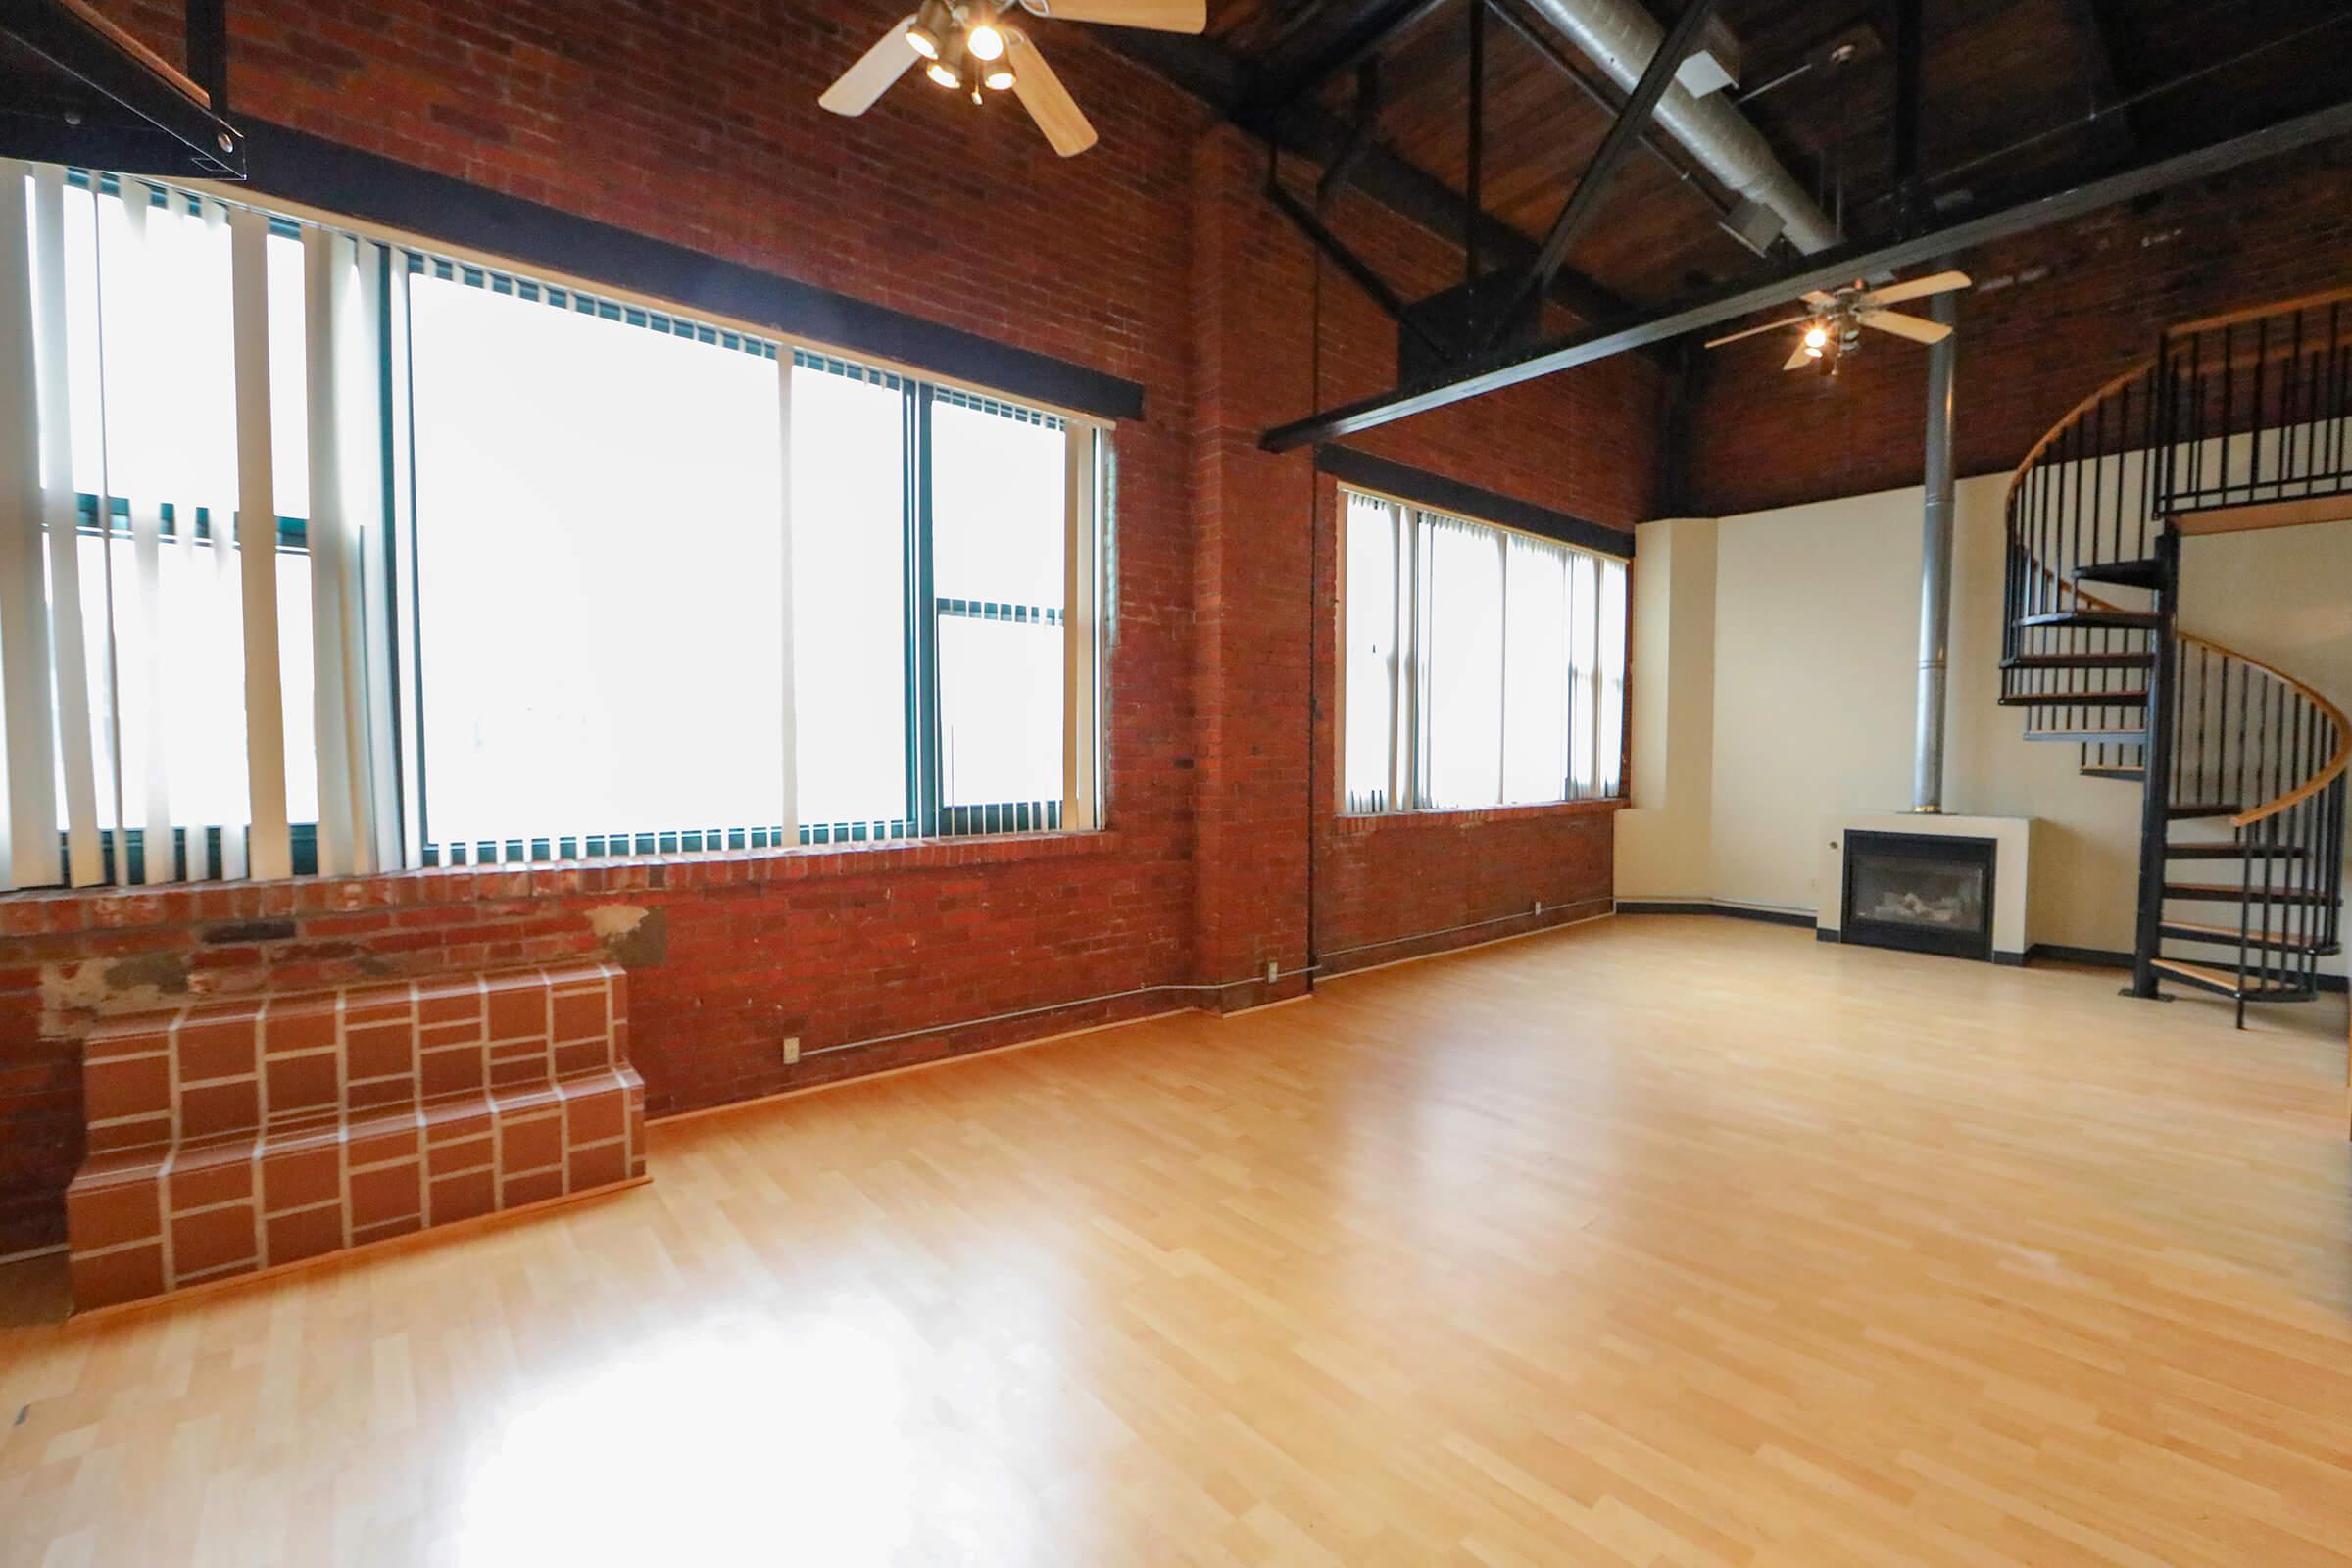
(787, 786)
(923, 747)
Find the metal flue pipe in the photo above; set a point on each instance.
(1936, 565)
(1620, 36)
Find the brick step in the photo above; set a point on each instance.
(145, 1220)
(226, 1137)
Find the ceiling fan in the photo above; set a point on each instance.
(1832, 327)
(968, 46)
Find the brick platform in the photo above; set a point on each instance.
(235, 1136)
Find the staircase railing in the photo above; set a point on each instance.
(2258, 408)
(2251, 410)
(2256, 745)
(2080, 501)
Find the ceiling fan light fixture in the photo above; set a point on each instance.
(1813, 351)
(985, 41)
(927, 33)
(1816, 336)
(997, 78)
(953, 68)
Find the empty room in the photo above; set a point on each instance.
(1224, 782)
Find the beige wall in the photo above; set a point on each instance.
(1811, 680)
(1662, 840)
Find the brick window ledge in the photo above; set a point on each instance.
(37, 911)
(1471, 817)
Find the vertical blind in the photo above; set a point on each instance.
(321, 553)
(1483, 666)
(182, 665)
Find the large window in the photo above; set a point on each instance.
(1483, 666)
(556, 576)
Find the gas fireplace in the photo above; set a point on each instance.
(1925, 892)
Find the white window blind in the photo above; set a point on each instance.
(1483, 666)
(321, 553)
(174, 367)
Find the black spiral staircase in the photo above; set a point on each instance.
(2242, 421)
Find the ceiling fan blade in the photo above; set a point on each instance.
(853, 92)
(1916, 288)
(1048, 101)
(1160, 16)
(1800, 359)
(1768, 326)
(1815, 297)
(1901, 326)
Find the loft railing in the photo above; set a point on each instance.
(2258, 408)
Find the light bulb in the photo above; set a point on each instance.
(1816, 337)
(942, 74)
(927, 33)
(1813, 351)
(985, 41)
(997, 78)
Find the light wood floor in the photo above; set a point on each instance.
(1652, 1241)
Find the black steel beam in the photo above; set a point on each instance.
(207, 50)
(1584, 203)
(1546, 46)
(1474, 183)
(1360, 135)
(2094, 45)
(1208, 73)
(1359, 271)
(1910, 43)
(1365, 28)
(186, 137)
(1490, 373)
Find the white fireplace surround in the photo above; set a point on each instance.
(2011, 869)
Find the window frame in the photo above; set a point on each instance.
(1087, 615)
(1087, 514)
(1407, 737)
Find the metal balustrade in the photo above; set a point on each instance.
(2252, 409)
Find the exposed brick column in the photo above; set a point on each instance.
(1253, 351)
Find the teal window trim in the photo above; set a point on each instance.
(293, 534)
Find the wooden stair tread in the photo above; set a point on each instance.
(2109, 661)
(2198, 931)
(2108, 620)
(2132, 775)
(2091, 737)
(2146, 572)
(2183, 813)
(2226, 850)
(2075, 700)
(2224, 981)
(2227, 894)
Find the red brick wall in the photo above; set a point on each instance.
(2054, 314)
(1153, 257)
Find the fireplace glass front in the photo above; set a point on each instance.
(1922, 892)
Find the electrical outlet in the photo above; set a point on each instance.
(792, 1050)
(1273, 970)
